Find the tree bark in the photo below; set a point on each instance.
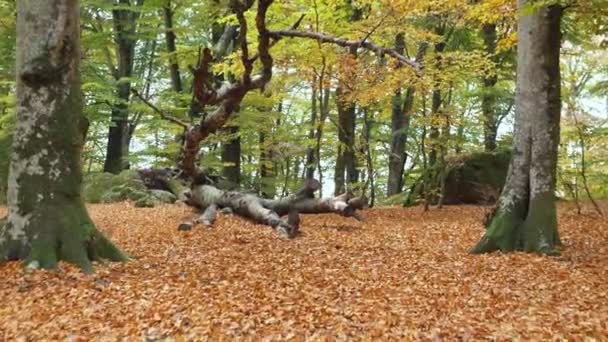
(311, 151)
(488, 99)
(48, 220)
(125, 24)
(231, 157)
(369, 160)
(400, 123)
(176, 80)
(324, 93)
(526, 216)
(267, 169)
(347, 160)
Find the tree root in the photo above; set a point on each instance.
(80, 246)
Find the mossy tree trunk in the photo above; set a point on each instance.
(47, 220)
(526, 215)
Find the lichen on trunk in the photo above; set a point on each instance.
(47, 220)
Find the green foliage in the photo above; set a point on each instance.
(274, 125)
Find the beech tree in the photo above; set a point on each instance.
(47, 220)
(526, 217)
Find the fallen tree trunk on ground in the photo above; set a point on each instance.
(209, 199)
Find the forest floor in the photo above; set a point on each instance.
(402, 273)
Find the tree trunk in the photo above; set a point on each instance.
(176, 80)
(324, 93)
(117, 152)
(311, 151)
(347, 159)
(47, 219)
(488, 100)
(267, 169)
(369, 160)
(526, 214)
(434, 133)
(231, 157)
(400, 123)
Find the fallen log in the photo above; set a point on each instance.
(209, 199)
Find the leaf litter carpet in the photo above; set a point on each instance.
(403, 274)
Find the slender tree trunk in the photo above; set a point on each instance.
(347, 159)
(176, 80)
(583, 148)
(231, 157)
(488, 99)
(526, 216)
(369, 160)
(400, 123)
(324, 93)
(47, 220)
(125, 23)
(311, 152)
(267, 169)
(434, 128)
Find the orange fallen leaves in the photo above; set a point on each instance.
(403, 274)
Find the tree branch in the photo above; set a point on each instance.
(162, 114)
(239, 10)
(323, 38)
(275, 40)
(264, 41)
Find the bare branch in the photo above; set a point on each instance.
(162, 114)
(323, 38)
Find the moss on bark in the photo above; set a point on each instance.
(501, 233)
(539, 231)
(508, 231)
(62, 232)
(47, 220)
